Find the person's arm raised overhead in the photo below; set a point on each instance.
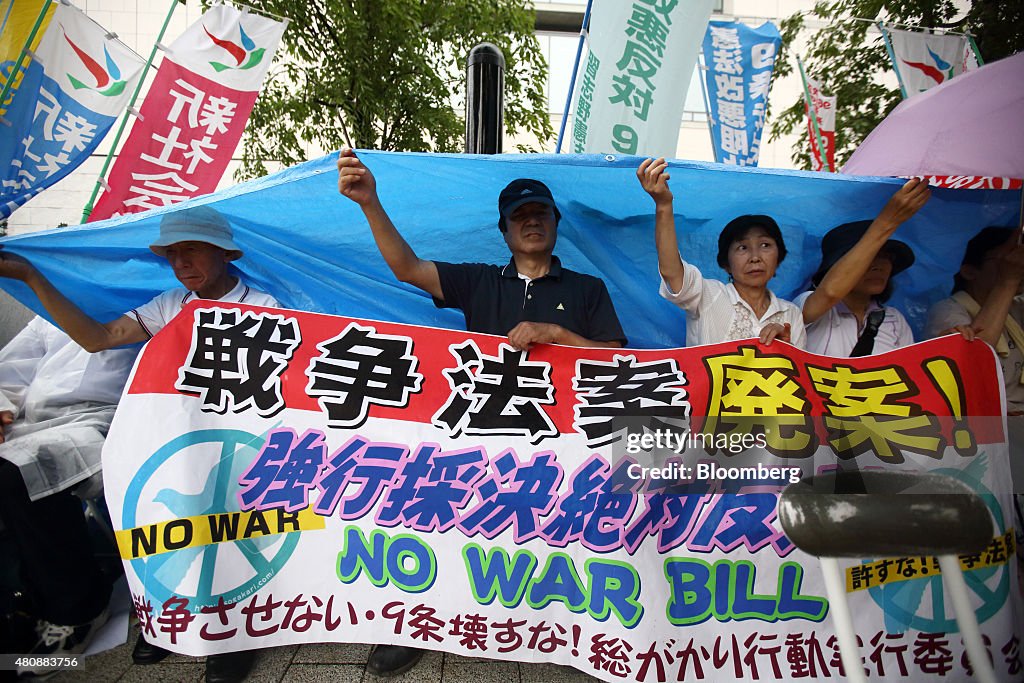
(90, 334)
(654, 180)
(848, 270)
(356, 182)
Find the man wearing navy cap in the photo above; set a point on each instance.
(199, 246)
(531, 300)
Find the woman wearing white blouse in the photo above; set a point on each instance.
(750, 248)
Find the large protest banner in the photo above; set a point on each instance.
(313, 478)
(195, 112)
(740, 60)
(77, 84)
(632, 87)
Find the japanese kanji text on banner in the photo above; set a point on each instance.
(72, 92)
(632, 87)
(314, 478)
(739, 61)
(195, 112)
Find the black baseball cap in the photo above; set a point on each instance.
(524, 191)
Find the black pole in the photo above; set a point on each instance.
(485, 99)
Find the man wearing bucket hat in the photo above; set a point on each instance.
(531, 300)
(199, 246)
(845, 314)
(197, 243)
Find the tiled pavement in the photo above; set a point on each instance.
(327, 663)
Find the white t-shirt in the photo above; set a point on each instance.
(836, 333)
(716, 313)
(949, 313)
(163, 307)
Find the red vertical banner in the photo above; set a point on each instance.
(193, 117)
(825, 112)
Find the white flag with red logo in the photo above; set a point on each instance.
(195, 112)
(824, 110)
(924, 60)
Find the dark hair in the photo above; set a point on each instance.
(978, 248)
(738, 227)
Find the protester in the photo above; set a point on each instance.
(56, 404)
(986, 299)
(750, 248)
(199, 246)
(845, 313)
(531, 300)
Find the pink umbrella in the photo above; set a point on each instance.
(969, 125)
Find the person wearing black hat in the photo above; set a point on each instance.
(531, 300)
(845, 314)
(987, 302)
(750, 248)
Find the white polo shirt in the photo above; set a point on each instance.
(716, 312)
(836, 333)
(163, 307)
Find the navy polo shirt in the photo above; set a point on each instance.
(495, 299)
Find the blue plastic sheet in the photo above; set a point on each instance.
(312, 249)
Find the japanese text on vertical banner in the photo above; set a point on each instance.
(72, 92)
(629, 97)
(195, 112)
(739, 61)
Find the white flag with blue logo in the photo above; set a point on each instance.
(924, 60)
(79, 81)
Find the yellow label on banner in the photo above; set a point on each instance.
(896, 569)
(16, 22)
(191, 532)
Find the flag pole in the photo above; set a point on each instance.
(16, 67)
(974, 47)
(575, 70)
(702, 70)
(892, 58)
(812, 114)
(128, 112)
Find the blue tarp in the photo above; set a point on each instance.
(312, 249)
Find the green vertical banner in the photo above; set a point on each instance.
(630, 96)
